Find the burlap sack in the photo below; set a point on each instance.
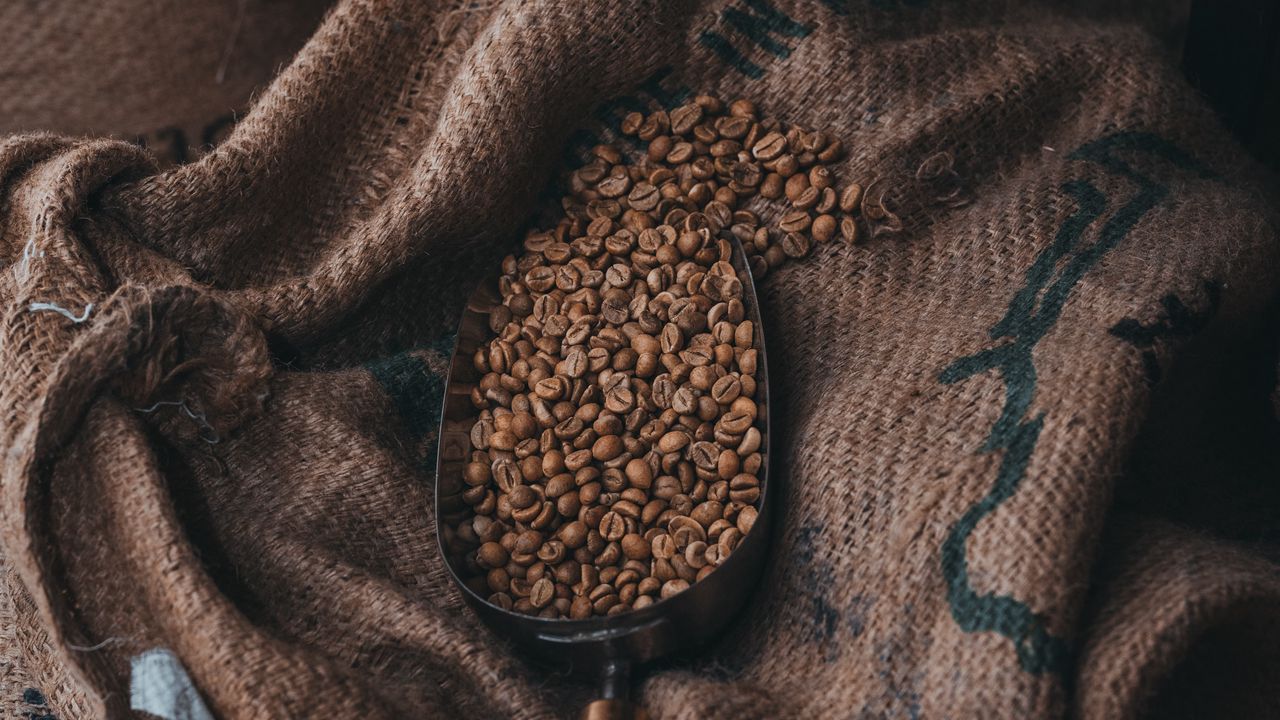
(1026, 449)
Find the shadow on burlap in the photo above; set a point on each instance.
(1026, 447)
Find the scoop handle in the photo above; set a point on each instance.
(615, 687)
(613, 710)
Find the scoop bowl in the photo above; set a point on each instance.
(605, 649)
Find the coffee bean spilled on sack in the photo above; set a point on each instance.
(616, 454)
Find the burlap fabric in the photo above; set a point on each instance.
(1026, 445)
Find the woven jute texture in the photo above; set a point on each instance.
(1026, 447)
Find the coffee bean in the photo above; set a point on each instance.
(820, 177)
(620, 400)
(726, 390)
(552, 552)
(824, 228)
(733, 127)
(786, 165)
(742, 108)
(540, 279)
(704, 455)
(685, 117)
(617, 183)
(681, 152)
(806, 199)
(575, 362)
(631, 123)
(684, 530)
(659, 147)
(707, 512)
(851, 198)
(673, 441)
(645, 344)
(506, 474)
(848, 230)
(639, 474)
(635, 547)
(573, 534)
(644, 197)
(662, 546)
(612, 526)
(794, 220)
(795, 244)
(607, 448)
(552, 388)
(684, 401)
(492, 554)
(476, 473)
(522, 497)
(795, 185)
(527, 542)
(696, 554)
(827, 203)
(674, 587)
(770, 146)
(542, 593)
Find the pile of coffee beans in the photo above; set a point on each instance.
(714, 158)
(617, 449)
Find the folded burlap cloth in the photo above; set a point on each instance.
(1026, 446)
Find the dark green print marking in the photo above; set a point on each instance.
(1176, 321)
(754, 23)
(1032, 313)
(842, 7)
(416, 391)
(34, 706)
(171, 144)
(815, 581)
(758, 22)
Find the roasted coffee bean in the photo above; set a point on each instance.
(796, 244)
(662, 546)
(542, 593)
(631, 123)
(806, 199)
(769, 147)
(827, 203)
(685, 117)
(492, 554)
(726, 390)
(615, 185)
(848, 229)
(823, 228)
(612, 526)
(635, 547)
(851, 198)
(673, 587)
(522, 497)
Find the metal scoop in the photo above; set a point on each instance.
(604, 649)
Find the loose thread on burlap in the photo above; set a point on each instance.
(53, 307)
(29, 251)
(113, 641)
(231, 42)
(207, 433)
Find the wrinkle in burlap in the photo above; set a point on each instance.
(1026, 445)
